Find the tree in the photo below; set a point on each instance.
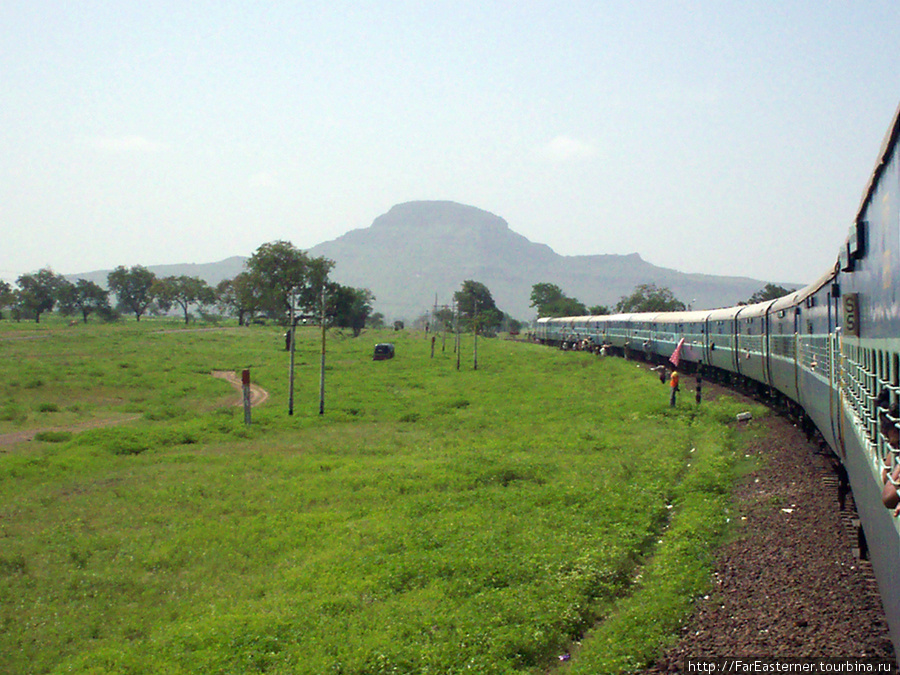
(83, 296)
(239, 296)
(549, 300)
(650, 298)
(770, 292)
(598, 310)
(375, 320)
(477, 308)
(7, 296)
(38, 292)
(183, 291)
(443, 319)
(349, 307)
(279, 270)
(133, 288)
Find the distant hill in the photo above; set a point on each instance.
(419, 250)
(212, 273)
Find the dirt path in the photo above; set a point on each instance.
(258, 396)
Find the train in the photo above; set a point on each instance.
(829, 351)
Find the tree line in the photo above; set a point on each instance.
(550, 301)
(281, 280)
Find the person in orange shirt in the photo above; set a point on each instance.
(673, 384)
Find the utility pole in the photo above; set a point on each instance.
(291, 375)
(475, 328)
(245, 387)
(456, 325)
(322, 368)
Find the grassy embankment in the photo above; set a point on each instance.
(433, 521)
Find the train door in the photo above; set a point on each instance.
(767, 378)
(834, 373)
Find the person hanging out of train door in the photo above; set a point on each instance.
(889, 433)
(889, 494)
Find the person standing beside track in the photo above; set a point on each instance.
(673, 385)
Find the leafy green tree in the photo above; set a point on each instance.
(85, 297)
(38, 292)
(770, 292)
(349, 307)
(133, 288)
(239, 297)
(549, 300)
(7, 296)
(279, 270)
(477, 308)
(375, 320)
(443, 319)
(543, 295)
(183, 291)
(598, 310)
(650, 298)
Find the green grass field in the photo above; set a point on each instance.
(432, 521)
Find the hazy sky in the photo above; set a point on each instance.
(726, 137)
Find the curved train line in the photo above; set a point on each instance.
(831, 349)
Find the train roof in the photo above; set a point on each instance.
(700, 315)
(754, 310)
(723, 313)
(887, 148)
(800, 295)
(692, 316)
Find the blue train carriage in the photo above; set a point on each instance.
(550, 330)
(817, 357)
(540, 329)
(589, 330)
(784, 325)
(686, 328)
(721, 339)
(640, 340)
(869, 353)
(570, 331)
(596, 331)
(752, 345)
(619, 331)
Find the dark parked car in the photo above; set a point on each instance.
(383, 350)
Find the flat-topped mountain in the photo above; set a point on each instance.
(419, 250)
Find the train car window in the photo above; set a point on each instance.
(846, 260)
(856, 242)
